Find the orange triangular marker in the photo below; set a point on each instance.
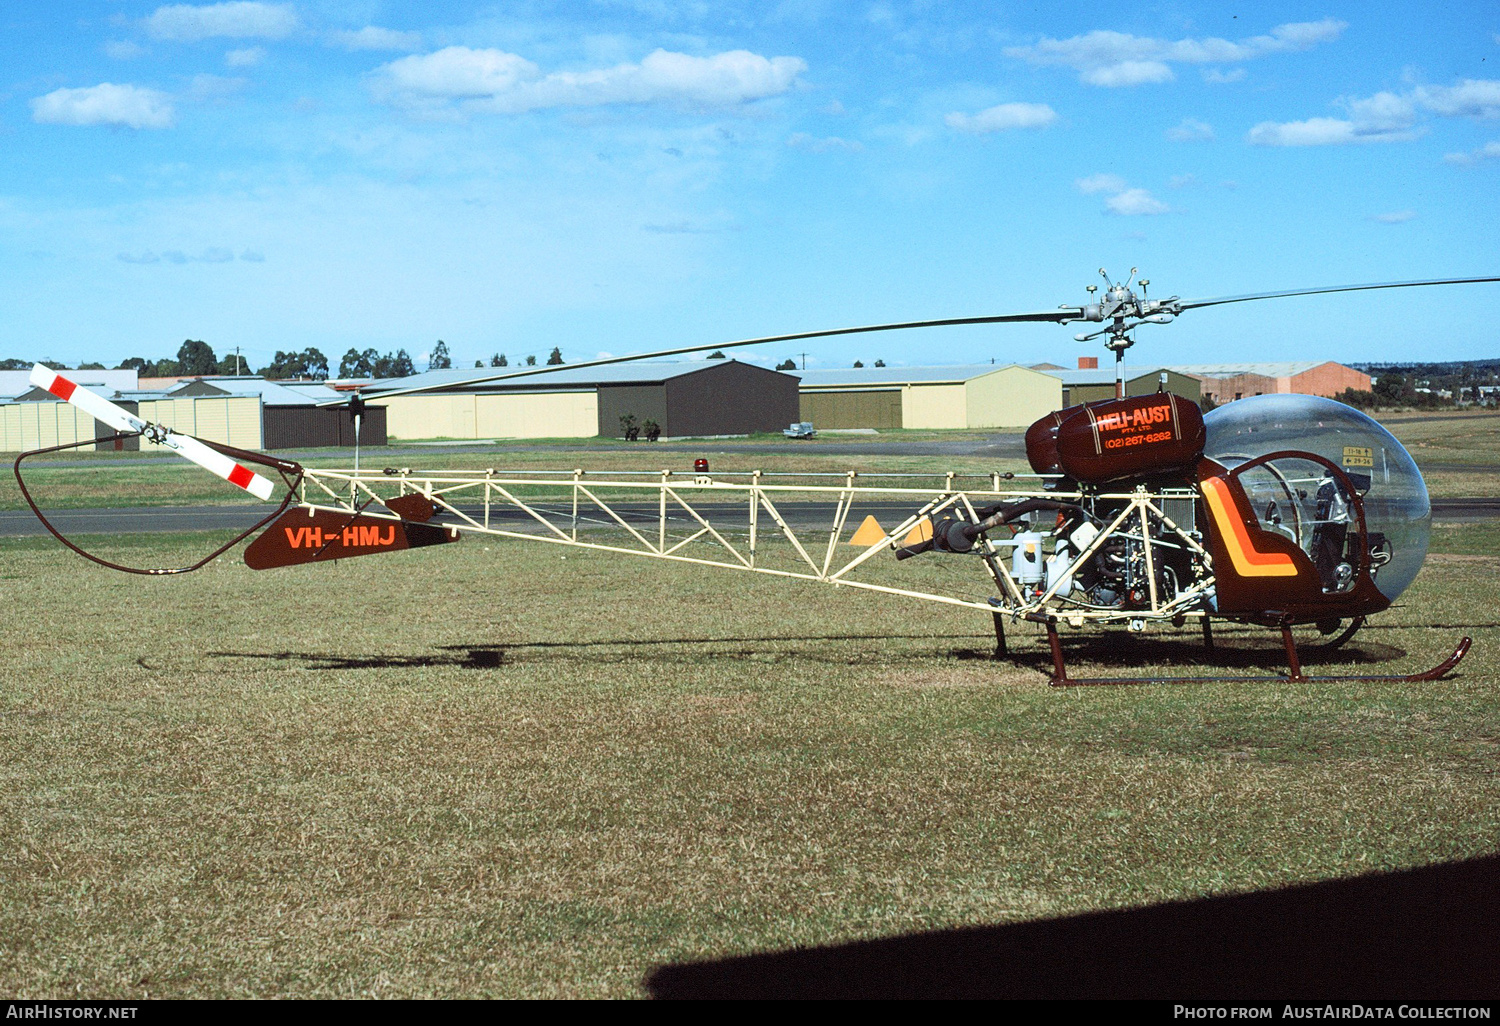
(870, 533)
(922, 532)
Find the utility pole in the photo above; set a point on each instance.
(238, 363)
(804, 361)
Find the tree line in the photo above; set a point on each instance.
(196, 358)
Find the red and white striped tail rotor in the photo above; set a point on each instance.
(106, 412)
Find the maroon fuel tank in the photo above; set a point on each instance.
(1144, 435)
(1041, 441)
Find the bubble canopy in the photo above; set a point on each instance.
(1398, 514)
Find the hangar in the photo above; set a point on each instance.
(701, 397)
(250, 413)
(960, 396)
(1226, 382)
(1094, 384)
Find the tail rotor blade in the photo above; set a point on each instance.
(106, 412)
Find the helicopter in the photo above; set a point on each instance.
(1278, 511)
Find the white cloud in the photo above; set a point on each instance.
(1386, 116)
(1214, 76)
(212, 88)
(1004, 117)
(1474, 98)
(1395, 217)
(803, 141)
(1115, 59)
(123, 49)
(1489, 151)
(211, 255)
(1312, 132)
(236, 19)
(1100, 183)
(492, 80)
(1133, 202)
(249, 57)
(372, 37)
(1183, 181)
(1122, 198)
(456, 73)
(1191, 130)
(105, 104)
(1128, 73)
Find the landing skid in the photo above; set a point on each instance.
(1060, 678)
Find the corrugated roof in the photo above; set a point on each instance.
(1269, 370)
(953, 373)
(641, 373)
(18, 382)
(1101, 375)
(270, 392)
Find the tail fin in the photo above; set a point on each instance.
(314, 536)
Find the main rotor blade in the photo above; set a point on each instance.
(1059, 316)
(1189, 304)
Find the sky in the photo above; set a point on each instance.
(615, 176)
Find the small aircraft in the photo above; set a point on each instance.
(1276, 510)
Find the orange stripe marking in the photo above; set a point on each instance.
(1247, 559)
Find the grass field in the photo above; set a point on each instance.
(486, 770)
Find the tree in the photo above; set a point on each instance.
(394, 366)
(14, 364)
(317, 364)
(135, 363)
(556, 358)
(285, 365)
(787, 364)
(531, 361)
(91, 366)
(717, 354)
(233, 365)
(196, 357)
(439, 360)
(478, 363)
(309, 363)
(880, 363)
(356, 364)
(1389, 387)
(499, 360)
(857, 363)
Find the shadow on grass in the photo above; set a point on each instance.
(479, 657)
(1428, 933)
(1092, 652)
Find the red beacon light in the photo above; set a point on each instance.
(700, 466)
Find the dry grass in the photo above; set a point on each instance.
(478, 771)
